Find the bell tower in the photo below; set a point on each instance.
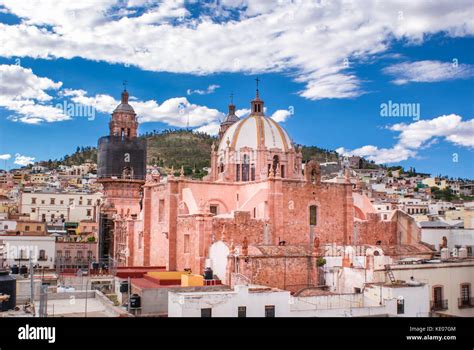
(121, 170)
(124, 121)
(230, 119)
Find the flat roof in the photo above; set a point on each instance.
(403, 284)
(226, 290)
(440, 224)
(433, 265)
(62, 192)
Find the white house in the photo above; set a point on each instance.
(450, 284)
(7, 225)
(433, 232)
(260, 301)
(59, 206)
(18, 250)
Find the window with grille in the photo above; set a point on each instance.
(242, 311)
(465, 291)
(269, 310)
(400, 306)
(206, 312)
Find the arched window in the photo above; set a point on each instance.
(221, 168)
(245, 168)
(252, 172)
(312, 172)
(313, 176)
(276, 162)
(313, 215)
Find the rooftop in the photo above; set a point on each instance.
(434, 263)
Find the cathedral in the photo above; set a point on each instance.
(260, 214)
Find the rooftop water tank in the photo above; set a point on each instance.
(7, 287)
(413, 282)
(23, 270)
(463, 252)
(135, 301)
(208, 274)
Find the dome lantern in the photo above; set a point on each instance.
(256, 106)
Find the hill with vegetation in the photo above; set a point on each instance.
(180, 148)
(176, 148)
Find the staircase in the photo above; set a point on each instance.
(389, 273)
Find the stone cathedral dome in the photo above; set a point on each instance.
(253, 131)
(254, 148)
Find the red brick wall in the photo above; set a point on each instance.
(335, 212)
(284, 272)
(236, 229)
(198, 227)
(374, 229)
(159, 244)
(203, 229)
(401, 229)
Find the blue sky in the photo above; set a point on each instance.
(324, 72)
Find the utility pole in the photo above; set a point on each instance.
(32, 282)
(85, 306)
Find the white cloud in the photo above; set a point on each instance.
(211, 129)
(5, 156)
(419, 135)
(379, 155)
(101, 102)
(428, 71)
(177, 111)
(451, 127)
(210, 89)
(23, 160)
(281, 115)
(242, 113)
(331, 86)
(25, 94)
(309, 39)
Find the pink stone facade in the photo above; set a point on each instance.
(266, 227)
